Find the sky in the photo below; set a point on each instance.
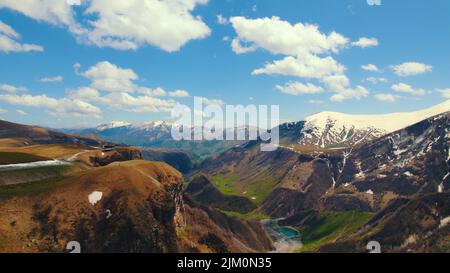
(82, 63)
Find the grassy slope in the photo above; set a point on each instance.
(248, 216)
(256, 189)
(15, 158)
(34, 188)
(50, 151)
(332, 226)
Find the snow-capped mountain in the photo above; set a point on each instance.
(333, 129)
(112, 125)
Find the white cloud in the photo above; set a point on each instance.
(336, 83)
(444, 92)
(358, 93)
(370, 67)
(9, 43)
(167, 24)
(56, 12)
(111, 78)
(8, 30)
(52, 79)
(305, 66)
(375, 80)
(239, 48)
(305, 48)
(157, 92)
(179, 94)
(62, 106)
(411, 69)
(298, 88)
(213, 101)
(137, 104)
(386, 97)
(281, 37)
(317, 102)
(366, 42)
(222, 20)
(406, 88)
(84, 94)
(21, 112)
(3, 111)
(11, 88)
(123, 25)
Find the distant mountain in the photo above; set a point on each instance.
(153, 134)
(332, 129)
(19, 135)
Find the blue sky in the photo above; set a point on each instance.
(183, 46)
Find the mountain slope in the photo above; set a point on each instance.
(27, 135)
(133, 206)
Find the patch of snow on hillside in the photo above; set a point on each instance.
(444, 222)
(94, 197)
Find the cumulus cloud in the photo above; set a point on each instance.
(239, 48)
(375, 80)
(305, 66)
(317, 102)
(281, 37)
(62, 106)
(137, 104)
(179, 94)
(213, 101)
(366, 42)
(358, 93)
(9, 41)
(109, 77)
(386, 97)
(11, 88)
(8, 30)
(445, 93)
(406, 88)
(222, 20)
(56, 12)
(21, 112)
(84, 94)
(52, 79)
(411, 69)
(307, 53)
(167, 24)
(370, 67)
(123, 25)
(298, 88)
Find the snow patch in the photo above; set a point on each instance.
(444, 222)
(94, 197)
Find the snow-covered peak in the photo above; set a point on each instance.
(332, 128)
(156, 124)
(112, 125)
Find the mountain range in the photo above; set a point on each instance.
(338, 180)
